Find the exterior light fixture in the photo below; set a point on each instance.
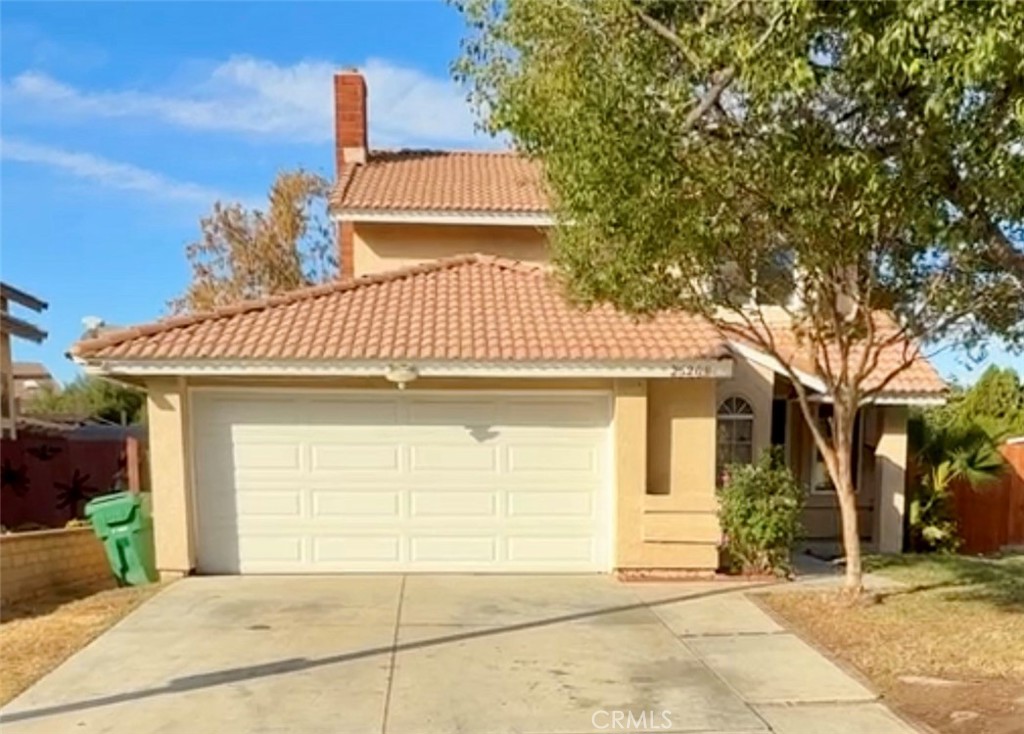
(401, 374)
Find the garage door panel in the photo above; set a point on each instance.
(449, 504)
(352, 411)
(552, 503)
(270, 548)
(268, 504)
(355, 457)
(554, 411)
(367, 548)
(445, 411)
(343, 504)
(401, 482)
(553, 550)
(553, 458)
(480, 549)
(453, 458)
(263, 456)
(228, 410)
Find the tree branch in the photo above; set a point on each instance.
(669, 35)
(720, 80)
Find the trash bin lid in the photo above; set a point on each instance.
(113, 509)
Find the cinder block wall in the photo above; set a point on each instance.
(51, 560)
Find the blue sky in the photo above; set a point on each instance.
(122, 123)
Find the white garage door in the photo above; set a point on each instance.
(401, 481)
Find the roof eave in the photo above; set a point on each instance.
(923, 398)
(491, 217)
(701, 368)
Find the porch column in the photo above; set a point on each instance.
(170, 469)
(891, 466)
(630, 470)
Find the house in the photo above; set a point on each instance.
(12, 325)
(30, 379)
(443, 408)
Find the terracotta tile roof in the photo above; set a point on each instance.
(434, 180)
(919, 378)
(30, 371)
(473, 308)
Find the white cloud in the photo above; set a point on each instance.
(108, 173)
(258, 97)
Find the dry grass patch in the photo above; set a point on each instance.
(39, 634)
(946, 649)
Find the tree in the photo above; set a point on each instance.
(248, 253)
(836, 183)
(995, 403)
(90, 397)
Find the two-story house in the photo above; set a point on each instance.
(441, 407)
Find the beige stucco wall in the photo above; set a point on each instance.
(890, 479)
(381, 247)
(665, 439)
(755, 384)
(171, 476)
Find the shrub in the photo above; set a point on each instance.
(759, 510)
(948, 454)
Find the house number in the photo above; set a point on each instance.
(690, 370)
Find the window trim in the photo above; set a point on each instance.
(734, 418)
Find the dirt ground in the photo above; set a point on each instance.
(947, 649)
(38, 635)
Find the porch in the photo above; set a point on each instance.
(758, 409)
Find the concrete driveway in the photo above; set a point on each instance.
(424, 654)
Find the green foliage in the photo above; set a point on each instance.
(91, 397)
(702, 154)
(995, 403)
(877, 145)
(946, 454)
(759, 508)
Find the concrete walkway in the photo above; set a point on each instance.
(445, 654)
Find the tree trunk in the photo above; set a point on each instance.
(853, 584)
(842, 477)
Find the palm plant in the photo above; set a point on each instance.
(948, 453)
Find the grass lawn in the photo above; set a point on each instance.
(946, 649)
(38, 635)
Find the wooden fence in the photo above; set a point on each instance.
(992, 518)
(48, 477)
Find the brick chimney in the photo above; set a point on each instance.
(349, 147)
(349, 117)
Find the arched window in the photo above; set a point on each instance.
(735, 434)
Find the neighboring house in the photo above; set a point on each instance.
(30, 379)
(529, 436)
(12, 325)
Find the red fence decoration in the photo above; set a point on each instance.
(992, 518)
(48, 477)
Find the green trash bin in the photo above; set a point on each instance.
(127, 533)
